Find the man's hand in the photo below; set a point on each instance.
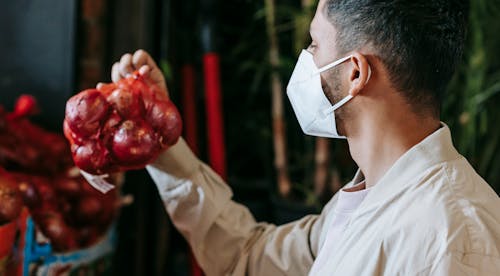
(142, 62)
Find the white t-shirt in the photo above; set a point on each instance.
(348, 201)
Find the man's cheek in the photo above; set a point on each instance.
(326, 90)
(324, 84)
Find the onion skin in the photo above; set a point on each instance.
(86, 111)
(11, 201)
(134, 142)
(62, 237)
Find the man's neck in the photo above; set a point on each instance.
(376, 147)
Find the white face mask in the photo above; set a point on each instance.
(309, 103)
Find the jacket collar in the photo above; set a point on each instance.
(434, 149)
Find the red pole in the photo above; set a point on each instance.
(211, 68)
(215, 127)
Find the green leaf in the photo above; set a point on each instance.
(166, 69)
(482, 97)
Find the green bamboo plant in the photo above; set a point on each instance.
(298, 25)
(279, 131)
(471, 103)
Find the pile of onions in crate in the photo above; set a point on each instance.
(37, 175)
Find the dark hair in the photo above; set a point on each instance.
(420, 42)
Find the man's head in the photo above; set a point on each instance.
(417, 42)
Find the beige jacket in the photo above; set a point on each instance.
(430, 214)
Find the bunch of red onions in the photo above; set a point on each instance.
(120, 126)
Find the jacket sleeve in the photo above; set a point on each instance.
(223, 234)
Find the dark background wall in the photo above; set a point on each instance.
(37, 48)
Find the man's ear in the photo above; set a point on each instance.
(360, 73)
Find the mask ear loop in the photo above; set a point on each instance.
(347, 98)
(331, 65)
(334, 107)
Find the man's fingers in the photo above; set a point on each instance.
(126, 65)
(142, 62)
(141, 58)
(115, 72)
(145, 69)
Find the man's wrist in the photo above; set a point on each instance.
(178, 160)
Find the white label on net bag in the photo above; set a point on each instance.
(98, 182)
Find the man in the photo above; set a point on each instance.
(374, 72)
